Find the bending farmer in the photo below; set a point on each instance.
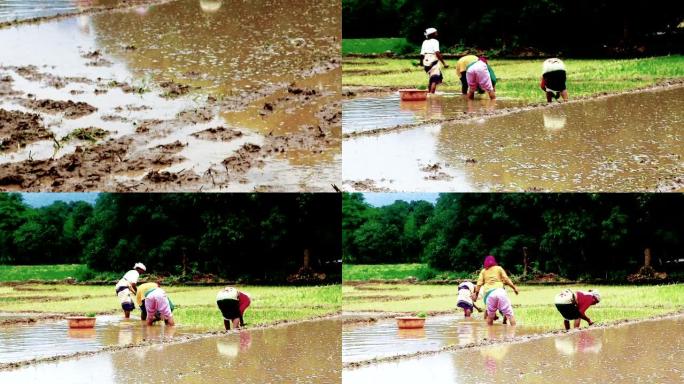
(143, 290)
(573, 305)
(126, 287)
(465, 301)
(480, 76)
(553, 79)
(492, 280)
(158, 307)
(232, 304)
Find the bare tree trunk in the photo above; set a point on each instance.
(647, 257)
(525, 261)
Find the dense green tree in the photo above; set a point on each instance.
(555, 26)
(599, 235)
(261, 237)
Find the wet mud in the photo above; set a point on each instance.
(637, 352)
(20, 128)
(629, 142)
(292, 353)
(112, 87)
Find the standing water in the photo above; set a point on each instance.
(307, 352)
(644, 352)
(47, 339)
(384, 339)
(630, 142)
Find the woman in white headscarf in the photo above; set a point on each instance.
(431, 57)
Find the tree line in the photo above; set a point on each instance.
(573, 235)
(251, 236)
(578, 27)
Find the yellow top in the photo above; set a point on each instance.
(491, 278)
(463, 62)
(142, 290)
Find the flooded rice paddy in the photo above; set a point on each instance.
(641, 352)
(299, 353)
(371, 113)
(22, 342)
(166, 97)
(384, 339)
(630, 142)
(17, 10)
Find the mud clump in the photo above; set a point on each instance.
(198, 115)
(173, 89)
(6, 86)
(19, 128)
(366, 185)
(70, 109)
(146, 125)
(96, 59)
(245, 158)
(218, 134)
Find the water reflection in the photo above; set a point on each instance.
(643, 352)
(210, 6)
(554, 120)
(301, 353)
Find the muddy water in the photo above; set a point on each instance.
(364, 114)
(25, 342)
(27, 9)
(630, 142)
(303, 353)
(645, 352)
(160, 74)
(385, 339)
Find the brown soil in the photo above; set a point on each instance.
(172, 90)
(218, 134)
(366, 185)
(70, 109)
(20, 128)
(6, 86)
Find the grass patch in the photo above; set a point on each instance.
(377, 46)
(533, 307)
(195, 306)
(43, 272)
(519, 79)
(365, 272)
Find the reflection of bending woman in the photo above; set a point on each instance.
(232, 304)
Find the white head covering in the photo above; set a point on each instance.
(429, 31)
(553, 64)
(140, 265)
(596, 294)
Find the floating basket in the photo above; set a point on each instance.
(410, 322)
(80, 322)
(413, 94)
